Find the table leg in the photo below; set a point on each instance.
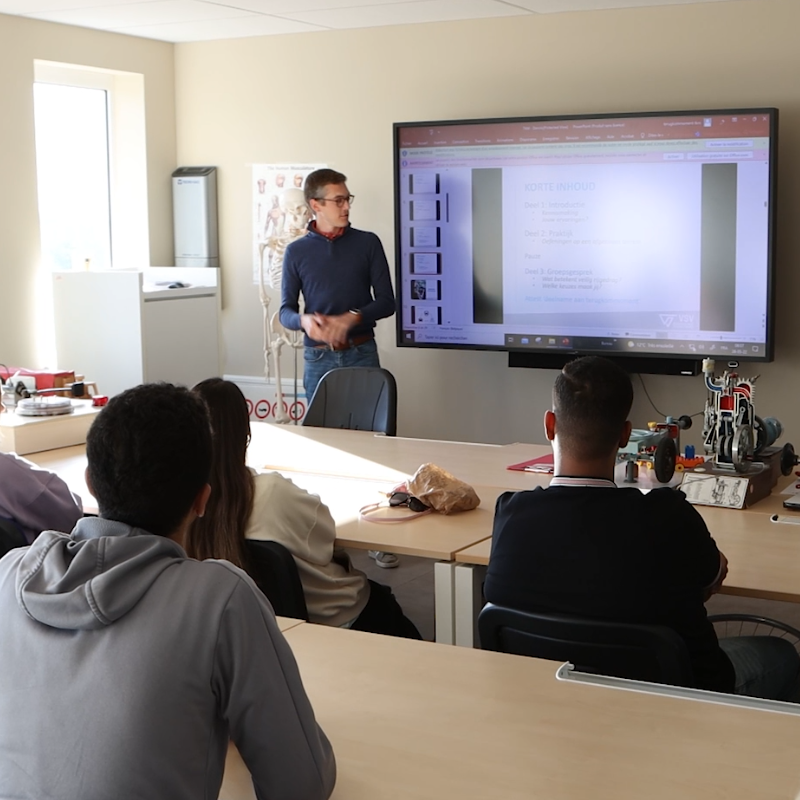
(468, 594)
(443, 601)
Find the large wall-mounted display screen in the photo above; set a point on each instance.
(640, 234)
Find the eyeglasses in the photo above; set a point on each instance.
(405, 499)
(340, 201)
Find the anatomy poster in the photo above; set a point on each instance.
(280, 216)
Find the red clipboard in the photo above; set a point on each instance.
(543, 464)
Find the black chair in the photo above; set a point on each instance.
(10, 536)
(357, 398)
(651, 653)
(272, 568)
(753, 625)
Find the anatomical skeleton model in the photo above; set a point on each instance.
(283, 230)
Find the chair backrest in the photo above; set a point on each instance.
(357, 398)
(272, 568)
(10, 536)
(652, 653)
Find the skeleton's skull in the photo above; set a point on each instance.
(293, 203)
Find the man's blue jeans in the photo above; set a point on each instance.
(319, 360)
(765, 666)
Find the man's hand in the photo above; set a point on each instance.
(314, 326)
(329, 329)
(338, 327)
(721, 575)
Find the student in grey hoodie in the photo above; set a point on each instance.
(127, 666)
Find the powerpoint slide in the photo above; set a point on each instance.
(425, 209)
(423, 183)
(425, 236)
(426, 315)
(426, 290)
(602, 237)
(426, 263)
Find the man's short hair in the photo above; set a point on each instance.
(591, 399)
(314, 187)
(149, 454)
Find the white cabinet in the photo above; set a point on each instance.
(120, 328)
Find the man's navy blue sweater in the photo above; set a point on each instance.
(335, 276)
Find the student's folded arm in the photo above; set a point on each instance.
(54, 507)
(722, 573)
(262, 697)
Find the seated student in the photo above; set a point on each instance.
(127, 666)
(583, 546)
(35, 499)
(245, 504)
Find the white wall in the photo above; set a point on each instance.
(332, 97)
(22, 41)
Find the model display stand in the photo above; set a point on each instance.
(22, 435)
(721, 486)
(743, 466)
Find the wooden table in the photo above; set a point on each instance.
(363, 454)
(284, 623)
(763, 560)
(433, 536)
(472, 725)
(763, 555)
(23, 435)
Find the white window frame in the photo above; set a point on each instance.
(130, 235)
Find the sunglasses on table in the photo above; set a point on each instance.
(405, 499)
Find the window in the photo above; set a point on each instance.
(73, 176)
(91, 176)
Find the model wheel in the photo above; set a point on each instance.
(724, 450)
(631, 471)
(760, 432)
(788, 459)
(742, 448)
(666, 453)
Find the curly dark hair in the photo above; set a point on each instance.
(149, 453)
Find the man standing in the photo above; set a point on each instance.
(344, 277)
(127, 666)
(585, 547)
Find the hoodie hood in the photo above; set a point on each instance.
(94, 576)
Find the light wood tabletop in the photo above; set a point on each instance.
(472, 725)
(284, 623)
(433, 536)
(363, 454)
(763, 556)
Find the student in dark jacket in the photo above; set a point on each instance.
(586, 547)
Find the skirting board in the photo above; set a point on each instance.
(261, 398)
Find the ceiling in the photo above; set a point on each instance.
(204, 20)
